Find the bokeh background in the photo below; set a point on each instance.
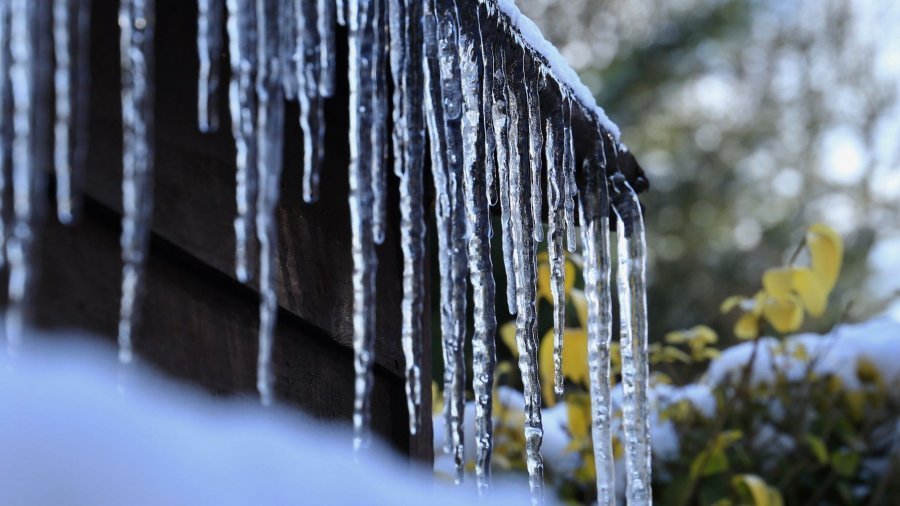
(753, 119)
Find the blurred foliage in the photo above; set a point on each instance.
(751, 118)
(792, 436)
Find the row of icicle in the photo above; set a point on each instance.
(491, 141)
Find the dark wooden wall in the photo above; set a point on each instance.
(199, 324)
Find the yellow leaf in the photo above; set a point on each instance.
(676, 337)
(704, 334)
(579, 410)
(731, 303)
(817, 447)
(574, 360)
(508, 335)
(867, 371)
(826, 251)
(777, 282)
(759, 491)
(810, 290)
(580, 302)
(747, 326)
(785, 315)
(437, 398)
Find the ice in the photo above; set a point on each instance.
(312, 115)
(209, 49)
(454, 341)
(525, 269)
(290, 29)
(478, 223)
(136, 19)
(570, 186)
(487, 101)
(500, 114)
(341, 11)
(633, 327)
(270, 141)
(63, 82)
(594, 215)
(434, 116)
(531, 83)
(18, 246)
(6, 122)
(325, 20)
(365, 262)
(242, 105)
(378, 51)
(556, 228)
(409, 145)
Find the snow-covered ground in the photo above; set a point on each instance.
(69, 435)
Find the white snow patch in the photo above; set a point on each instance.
(564, 74)
(67, 436)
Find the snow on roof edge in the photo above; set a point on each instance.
(561, 70)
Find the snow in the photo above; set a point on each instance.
(838, 353)
(69, 437)
(562, 72)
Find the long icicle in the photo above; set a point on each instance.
(631, 273)
(378, 52)
(82, 107)
(7, 113)
(525, 271)
(535, 142)
(19, 243)
(434, 115)
(500, 115)
(454, 343)
(270, 139)
(209, 48)
(486, 32)
(290, 31)
(408, 143)
(365, 261)
(136, 22)
(569, 173)
(594, 215)
(243, 108)
(63, 81)
(478, 223)
(555, 153)
(312, 114)
(325, 21)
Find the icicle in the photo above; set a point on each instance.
(312, 116)
(525, 272)
(209, 49)
(434, 115)
(243, 107)
(500, 114)
(290, 30)
(325, 13)
(409, 144)
(377, 52)
(555, 152)
(485, 33)
(535, 143)
(63, 82)
(82, 109)
(6, 121)
(478, 222)
(365, 262)
(633, 323)
(270, 139)
(594, 214)
(570, 187)
(136, 25)
(341, 11)
(454, 342)
(22, 77)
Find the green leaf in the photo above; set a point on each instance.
(706, 464)
(845, 462)
(818, 448)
